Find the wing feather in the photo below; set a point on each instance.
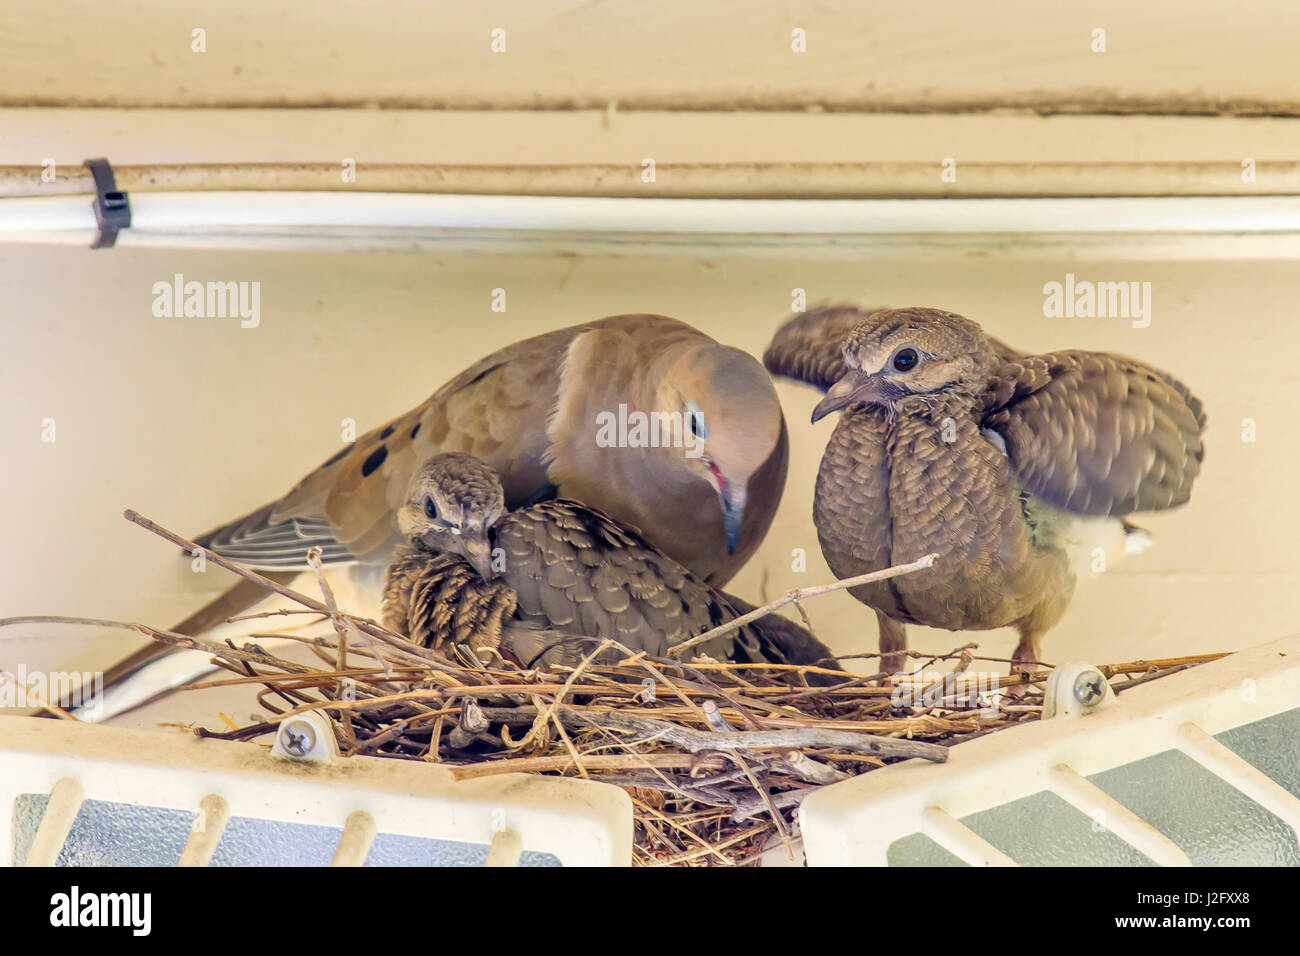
(1097, 433)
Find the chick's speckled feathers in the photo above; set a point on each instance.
(572, 571)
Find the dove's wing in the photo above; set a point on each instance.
(809, 346)
(1096, 433)
(495, 410)
(577, 571)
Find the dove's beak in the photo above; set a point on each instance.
(856, 386)
(732, 498)
(478, 551)
(733, 513)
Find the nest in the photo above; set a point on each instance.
(716, 756)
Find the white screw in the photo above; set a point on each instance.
(1089, 688)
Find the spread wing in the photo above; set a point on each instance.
(1097, 433)
(809, 347)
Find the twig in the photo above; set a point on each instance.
(695, 741)
(798, 594)
(397, 644)
(562, 762)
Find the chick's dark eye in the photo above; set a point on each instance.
(430, 509)
(905, 359)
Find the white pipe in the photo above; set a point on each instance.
(69, 218)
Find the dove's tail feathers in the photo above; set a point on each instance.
(260, 542)
(235, 600)
(1136, 539)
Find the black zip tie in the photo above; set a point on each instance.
(112, 206)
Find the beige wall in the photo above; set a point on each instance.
(194, 421)
(1161, 55)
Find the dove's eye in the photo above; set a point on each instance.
(905, 359)
(430, 509)
(696, 419)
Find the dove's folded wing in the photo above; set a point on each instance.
(579, 572)
(1096, 433)
(495, 409)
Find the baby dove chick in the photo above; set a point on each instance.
(474, 574)
(951, 442)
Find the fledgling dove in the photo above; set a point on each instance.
(951, 442)
(525, 582)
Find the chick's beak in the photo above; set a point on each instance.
(478, 551)
(855, 386)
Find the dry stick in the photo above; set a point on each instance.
(696, 741)
(543, 718)
(766, 798)
(370, 675)
(341, 629)
(55, 709)
(707, 847)
(719, 724)
(798, 594)
(342, 626)
(639, 658)
(166, 637)
(1145, 678)
(559, 725)
(397, 644)
(735, 838)
(633, 761)
(750, 806)
(814, 771)
(741, 704)
(272, 685)
(281, 612)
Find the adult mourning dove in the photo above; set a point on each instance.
(954, 443)
(558, 414)
(526, 582)
(642, 416)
